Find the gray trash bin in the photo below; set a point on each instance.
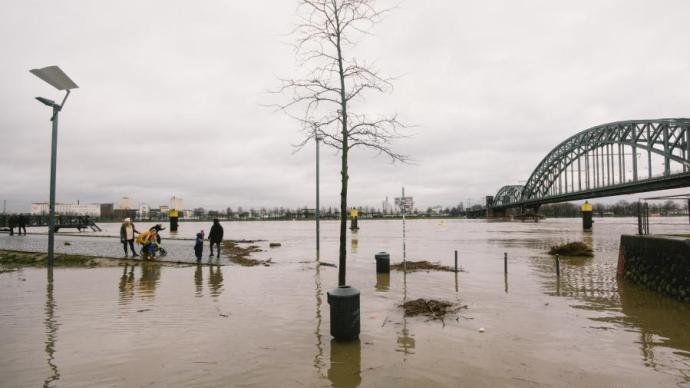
(344, 302)
(383, 262)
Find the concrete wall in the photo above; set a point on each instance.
(659, 263)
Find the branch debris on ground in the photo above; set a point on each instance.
(431, 308)
(240, 255)
(576, 248)
(423, 265)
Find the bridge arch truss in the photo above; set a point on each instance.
(619, 154)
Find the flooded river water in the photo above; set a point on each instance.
(207, 326)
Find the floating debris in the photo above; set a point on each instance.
(274, 245)
(68, 243)
(434, 309)
(324, 264)
(576, 248)
(423, 266)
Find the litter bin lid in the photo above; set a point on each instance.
(343, 292)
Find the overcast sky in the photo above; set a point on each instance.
(172, 95)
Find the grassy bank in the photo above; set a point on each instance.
(13, 259)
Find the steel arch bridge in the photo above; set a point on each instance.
(617, 158)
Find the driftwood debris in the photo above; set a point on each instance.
(431, 308)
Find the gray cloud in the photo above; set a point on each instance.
(172, 94)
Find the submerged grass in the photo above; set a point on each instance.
(240, 255)
(10, 258)
(576, 248)
(422, 265)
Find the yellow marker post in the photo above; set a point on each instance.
(586, 216)
(354, 215)
(173, 216)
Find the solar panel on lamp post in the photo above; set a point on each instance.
(54, 76)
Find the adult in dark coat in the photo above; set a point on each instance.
(215, 237)
(11, 223)
(21, 221)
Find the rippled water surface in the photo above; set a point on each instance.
(206, 326)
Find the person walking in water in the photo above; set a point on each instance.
(199, 246)
(215, 237)
(127, 231)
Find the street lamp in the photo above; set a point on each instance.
(60, 81)
(317, 214)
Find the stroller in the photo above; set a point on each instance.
(149, 248)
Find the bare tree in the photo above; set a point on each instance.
(323, 99)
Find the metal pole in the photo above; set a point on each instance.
(53, 166)
(402, 203)
(649, 154)
(558, 266)
(456, 261)
(579, 176)
(505, 262)
(639, 218)
(318, 212)
(634, 154)
(667, 160)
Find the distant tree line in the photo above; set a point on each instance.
(618, 209)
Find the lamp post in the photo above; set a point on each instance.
(318, 211)
(60, 81)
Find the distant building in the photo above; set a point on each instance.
(107, 210)
(144, 211)
(77, 209)
(121, 214)
(164, 209)
(176, 203)
(125, 203)
(386, 207)
(405, 202)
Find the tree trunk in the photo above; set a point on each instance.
(343, 168)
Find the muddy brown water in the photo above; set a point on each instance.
(207, 326)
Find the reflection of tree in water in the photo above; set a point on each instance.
(318, 357)
(51, 331)
(198, 280)
(662, 322)
(150, 276)
(127, 284)
(215, 280)
(406, 342)
(346, 364)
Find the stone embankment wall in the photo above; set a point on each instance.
(659, 263)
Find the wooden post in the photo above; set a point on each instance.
(505, 262)
(456, 261)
